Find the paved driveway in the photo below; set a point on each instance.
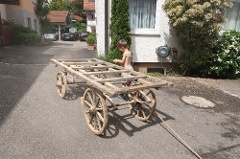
(36, 123)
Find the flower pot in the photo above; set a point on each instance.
(91, 46)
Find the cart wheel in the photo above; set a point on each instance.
(145, 105)
(95, 110)
(61, 84)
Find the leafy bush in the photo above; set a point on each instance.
(197, 24)
(91, 39)
(104, 58)
(25, 36)
(28, 39)
(225, 62)
(80, 26)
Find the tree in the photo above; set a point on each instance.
(197, 24)
(59, 5)
(77, 8)
(41, 10)
(119, 27)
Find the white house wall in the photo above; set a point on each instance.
(100, 27)
(144, 43)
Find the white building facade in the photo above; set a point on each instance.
(147, 33)
(149, 30)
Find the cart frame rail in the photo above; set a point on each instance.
(88, 69)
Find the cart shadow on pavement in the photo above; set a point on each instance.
(118, 122)
(75, 91)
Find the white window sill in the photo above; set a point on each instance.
(151, 32)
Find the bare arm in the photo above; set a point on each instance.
(120, 61)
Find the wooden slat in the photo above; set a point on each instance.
(83, 63)
(121, 79)
(106, 72)
(139, 87)
(93, 67)
(110, 85)
(76, 60)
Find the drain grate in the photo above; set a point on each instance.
(198, 101)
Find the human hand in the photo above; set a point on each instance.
(115, 60)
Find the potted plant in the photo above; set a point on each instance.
(91, 41)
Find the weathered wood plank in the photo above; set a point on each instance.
(106, 72)
(139, 87)
(121, 79)
(93, 67)
(110, 85)
(82, 63)
(76, 60)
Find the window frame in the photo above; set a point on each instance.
(223, 28)
(145, 31)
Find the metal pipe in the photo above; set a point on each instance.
(106, 27)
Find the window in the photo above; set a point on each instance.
(93, 16)
(233, 16)
(35, 24)
(142, 14)
(29, 23)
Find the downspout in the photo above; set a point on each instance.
(106, 27)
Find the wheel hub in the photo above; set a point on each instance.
(93, 110)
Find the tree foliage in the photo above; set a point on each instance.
(59, 5)
(119, 27)
(77, 8)
(197, 24)
(41, 11)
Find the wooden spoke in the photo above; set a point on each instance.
(146, 105)
(95, 107)
(95, 123)
(86, 102)
(100, 116)
(99, 123)
(90, 97)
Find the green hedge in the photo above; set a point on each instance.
(225, 61)
(28, 39)
(25, 36)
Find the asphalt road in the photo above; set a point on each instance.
(36, 123)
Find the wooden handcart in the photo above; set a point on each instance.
(106, 81)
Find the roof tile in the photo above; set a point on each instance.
(88, 6)
(56, 16)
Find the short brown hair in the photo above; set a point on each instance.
(122, 43)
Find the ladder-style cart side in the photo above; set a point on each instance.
(106, 81)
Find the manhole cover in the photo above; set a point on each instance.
(198, 101)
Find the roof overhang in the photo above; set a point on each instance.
(10, 2)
